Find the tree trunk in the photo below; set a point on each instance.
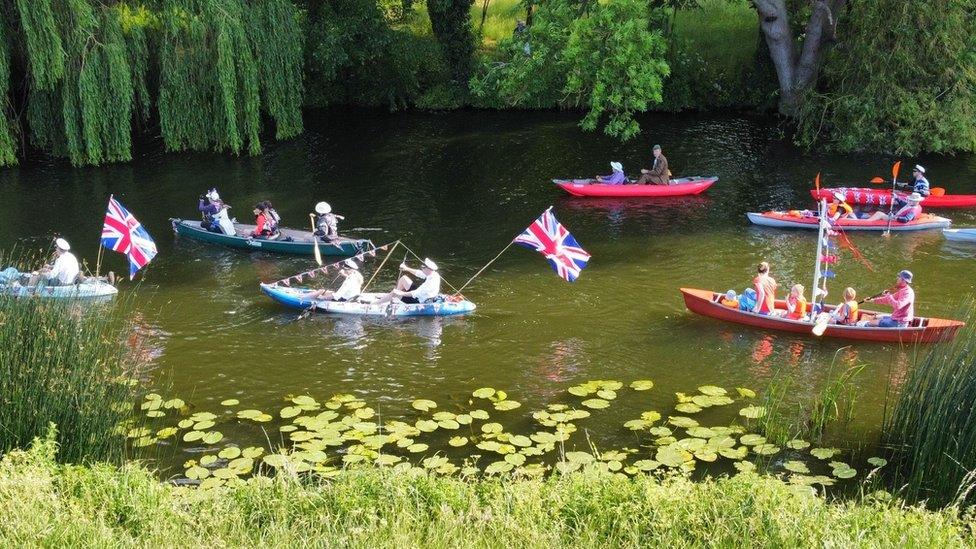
(797, 73)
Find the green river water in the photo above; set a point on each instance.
(457, 187)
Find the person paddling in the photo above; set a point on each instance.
(765, 286)
(658, 174)
(616, 178)
(912, 210)
(902, 301)
(408, 290)
(63, 272)
(919, 184)
(326, 222)
(352, 285)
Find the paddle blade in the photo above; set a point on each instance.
(823, 319)
(877, 180)
(318, 254)
(816, 182)
(937, 191)
(894, 170)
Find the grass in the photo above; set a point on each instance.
(46, 504)
(724, 33)
(500, 21)
(932, 428)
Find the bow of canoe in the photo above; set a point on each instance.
(679, 187)
(291, 241)
(785, 220)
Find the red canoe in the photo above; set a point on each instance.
(678, 187)
(795, 220)
(922, 330)
(880, 197)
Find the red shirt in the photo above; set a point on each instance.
(765, 293)
(261, 222)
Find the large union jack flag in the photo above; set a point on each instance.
(123, 233)
(548, 237)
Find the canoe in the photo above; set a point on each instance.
(881, 197)
(679, 187)
(960, 235)
(292, 241)
(922, 330)
(84, 290)
(364, 306)
(785, 220)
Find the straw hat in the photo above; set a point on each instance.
(617, 166)
(62, 244)
(351, 263)
(323, 208)
(430, 264)
(840, 196)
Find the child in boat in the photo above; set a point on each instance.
(747, 301)
(911, 211)
(730, 299)
(846, 312)
(796, 304)
(765, 286)
(616, 178)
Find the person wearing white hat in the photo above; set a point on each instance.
(919, 183)
(839, 208)
(215, 216)
(352, 285)
(408, 290)
(616, 178)
(63, 272)
(327, 223)
(911, 210)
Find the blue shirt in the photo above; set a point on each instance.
(616, 178)
(922, 186)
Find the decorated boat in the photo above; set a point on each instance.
(801, 220)
(366, 305)
(961, 235)
(291, 241)
(94, 289)
(678, 187)
(868, 196)
(921, 330)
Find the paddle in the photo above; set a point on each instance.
(891, 207)
(823, 319)
(937, 191)
(315, 239)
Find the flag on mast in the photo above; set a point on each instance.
(123, 233)
(547, 236)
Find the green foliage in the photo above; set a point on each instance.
(42, 42)
(903, 80)
(8, 141)
(451, 23)
(605, 60)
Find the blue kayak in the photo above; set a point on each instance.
(365, 304)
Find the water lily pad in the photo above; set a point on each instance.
(230, 402)
(711, 390)
(289, 412)
(192, 436)
(846, 472)
(796, 467)
(506, 405)
(636, 424)
(491, 428)
(174, 404)
(441, 416)
(642, 385)
(682, 421)
(423, 404)
(734, 453)
(691, 444)
(484, 392)
(647, 464)
(753, 412)
(651, 416)
(752, 439)
(877, 461)
(582, 390)
(797, 444)
(166, 432)
(744, 466)
(515, 459)
(155, 413)
(416, 448)
(276, 460)
(721, 441)
(520, 440)
(252, 451)
(203, 425)
(580, 457)
(701, 432)
(208, 460)
(566, 467)
(304, 400)
(463, 419)
(498, 467)
(448, 424)
(197, 473)
(596, 403)
(249, 414)
(543, 437)
(765, 449)
(824, 453)
(185, 423)
(687, 408)
(705, 454)
(478, 414)
(457, 441)
(672, 456)
(606, 394)
(213, 437)
(426, 425)
(231, 452)
(745, 393)
(660, 431)
(211, 483)
(388, 460)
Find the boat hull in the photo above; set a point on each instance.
(294, 298)
(960, 235)
(868, 196)
(301, 242)
(784, 220)
(85, 290)
(679, 187)
(928, 330)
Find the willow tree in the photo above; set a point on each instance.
(451, 23)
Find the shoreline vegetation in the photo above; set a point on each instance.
(82, 79)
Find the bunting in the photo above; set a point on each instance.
(324, 269)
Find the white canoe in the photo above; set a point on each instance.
(84, 290)
(364, 305)
(960, 235)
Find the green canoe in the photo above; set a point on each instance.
(291, 241)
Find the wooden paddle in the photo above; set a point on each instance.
(315, 239)
(823, 319)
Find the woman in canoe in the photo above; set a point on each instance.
(215, 216)
(910, 211)
(765, 286)
(352, 285)
(265, 228)
(616, 178)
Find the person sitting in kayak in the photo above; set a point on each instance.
(846, 313)
(730, 299)
(765, 287)
(616, 178)
(263, 227)
(910, 211)
(352, 285)
(796, 304)
(63, 272)
(919, 184)
(902, 302)
(839, 208)
(215, 216)
(747, 301)
(326, 223)
(408, 290)
(658, 174)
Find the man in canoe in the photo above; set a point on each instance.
(616, 178)
(765, 286)
(902, 302)
(352, 285)
(326, 223)
(912, 210)
(408, 290)
(658, 174)
(63, 272)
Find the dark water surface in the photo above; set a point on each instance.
(458, 187)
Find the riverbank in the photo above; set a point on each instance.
(50, 504)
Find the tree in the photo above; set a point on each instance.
(797, 73)
(451, 23)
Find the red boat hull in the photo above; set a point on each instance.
(678, 187)
(868, 196)
(924, 330)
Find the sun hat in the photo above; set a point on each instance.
(323, 208)
(920, 168)
(212, 195)
(351, 263)
(914, 197)
(430, 264)
(617, 166)
(907, 276)
(840, 196)
(730, 295)
(62, 244)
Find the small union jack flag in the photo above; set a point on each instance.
(548, 237)
(123, 233)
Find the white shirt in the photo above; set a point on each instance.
(65, 268)
(429, 289)
(351, 286)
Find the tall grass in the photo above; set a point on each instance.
(67, 363)
(932, 428)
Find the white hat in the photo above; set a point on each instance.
(323, 208)
(617, 166)
(212, 195)
(840, 196)
(62, 244)
(920, 168)
(430, 264)
(914, 197)
(351, 263)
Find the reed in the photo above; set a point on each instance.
(70, 364)
(932, 428)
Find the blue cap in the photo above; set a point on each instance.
(906, 276)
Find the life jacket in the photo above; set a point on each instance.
(271, 219)
(850, 312)
(796, 307)
(833, 208)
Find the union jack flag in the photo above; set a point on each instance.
(123, 233)
(548, 237)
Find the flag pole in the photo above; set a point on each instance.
(98, 260)
(481, 270)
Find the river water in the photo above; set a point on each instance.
(457, 187)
